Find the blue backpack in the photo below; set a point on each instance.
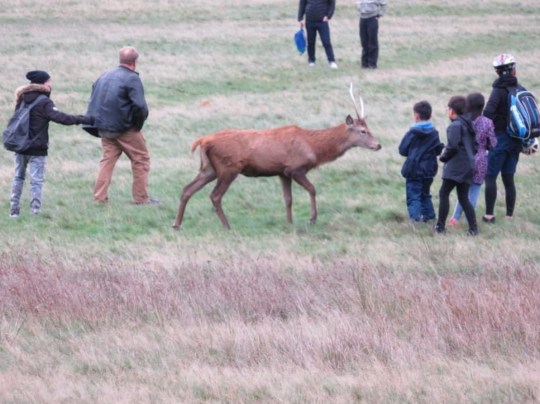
(300, 41)
(16, 137)
(523, 116)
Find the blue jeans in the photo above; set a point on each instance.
(37, 178)
(419, 204)
(474, 193)
(312, 27)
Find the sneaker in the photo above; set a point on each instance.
(14, 213)
(438, 228)
(150, 201)
(453, 222)
(311, 64)
(36, 211)
(472, 232)
(333, 65)
(488, 219)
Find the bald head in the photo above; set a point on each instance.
(128, 56)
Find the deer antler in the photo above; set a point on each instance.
(361, 115)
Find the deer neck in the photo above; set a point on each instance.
(331, 143)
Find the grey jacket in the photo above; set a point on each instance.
(458, 155)
(371, 8)
(117, 101)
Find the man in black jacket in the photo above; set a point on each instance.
(120, 110)
(41, 114)
(318, 14)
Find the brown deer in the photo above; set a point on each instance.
(288, 152)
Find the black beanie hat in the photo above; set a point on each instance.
(38, 76)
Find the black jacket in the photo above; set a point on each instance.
(316, 10)
(117, 101)
(40, 116)
(497, 106)
(458, 155)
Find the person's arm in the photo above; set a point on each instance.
(53, 114)
(454, 135)
(301, 11)
(383, 4)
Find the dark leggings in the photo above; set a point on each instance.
(463, 198)
(491, 193)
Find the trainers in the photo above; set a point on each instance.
(333, 65)
(453, 222)
(150, 201)
(472, 232)
(36, 211)
(438, 228)
(488, 219)
(311, 64)
(14, 213)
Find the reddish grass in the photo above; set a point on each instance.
(366, 313)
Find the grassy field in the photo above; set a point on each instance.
(109, 304)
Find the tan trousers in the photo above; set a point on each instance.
(131, 143)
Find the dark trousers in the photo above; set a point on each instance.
(312, 27)
(463, 198)
(369, 39)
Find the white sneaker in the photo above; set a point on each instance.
(311, 64)
(333, 65)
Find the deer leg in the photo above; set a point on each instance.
(217, 194)
(199, 182)
(301, 179)
(287, 195)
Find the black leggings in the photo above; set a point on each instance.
(463, 198)
(491, 193)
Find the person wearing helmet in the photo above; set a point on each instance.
(504, 157)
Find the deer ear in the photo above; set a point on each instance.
(349, 121)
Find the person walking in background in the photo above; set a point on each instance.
(505, 156)
(317, 14)
(120, 110)
(421, 145)
(41, 114)
(458, 170)
(485, 140)
(370, 12)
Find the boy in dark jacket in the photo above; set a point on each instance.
(35, 157)
(421, 145)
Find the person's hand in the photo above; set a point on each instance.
(301, 22)
(325, 19)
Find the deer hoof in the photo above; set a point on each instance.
(175, 226)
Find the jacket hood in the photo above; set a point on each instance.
(466, 121)
(423, 128)
(29, 92)
(505, 81)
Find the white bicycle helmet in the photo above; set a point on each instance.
(504, 61)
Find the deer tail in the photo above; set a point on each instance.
(205, 161)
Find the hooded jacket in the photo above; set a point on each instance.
(40, 116)
(421, 145)
(497, 106)
(316, 10)
(117, 101)
(458, 155)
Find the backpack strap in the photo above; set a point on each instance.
(33, 103)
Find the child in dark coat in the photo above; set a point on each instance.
(421, 145)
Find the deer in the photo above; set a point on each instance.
(288, 152)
